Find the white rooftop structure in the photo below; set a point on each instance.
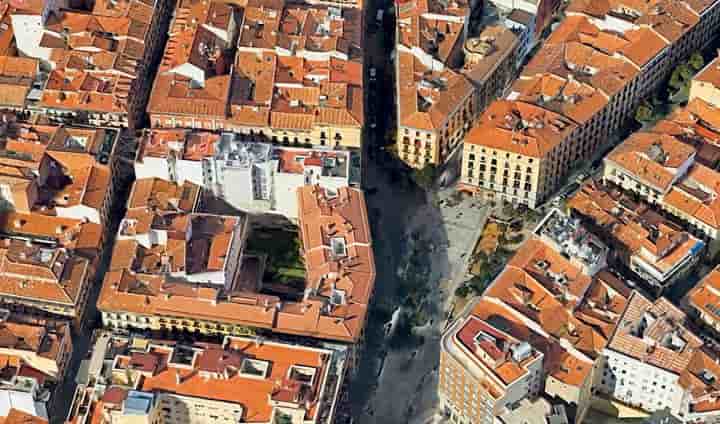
(567, 236)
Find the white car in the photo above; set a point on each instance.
(373, 74)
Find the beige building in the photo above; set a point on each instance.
(435, 111)
(705, 84)
(516, 153)
(42, 280)
(483, 370)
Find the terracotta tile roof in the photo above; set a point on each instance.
(158, 194)
(95, 55)
(313, 29)
(697, 195)
(662, 341)
(337, 252)
(637, 11)
(535, 252)
(38, 274)
(272, 82)
(566, 366)
(570, 367)
(74, 179)
(655, 159)
(644, 45)
(196, 40)
(176, 94)
(520, 127)
(158, 143)
(710, 74)
(48, 340)
(269, 372)
(495, 345)
(72, 234)
(634, 226)
(503, 43)
(427, 98)
(705, 296)
(603, 59)
(16, 416)
(16, 78)
(571, 98)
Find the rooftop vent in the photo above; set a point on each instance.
(521, 351)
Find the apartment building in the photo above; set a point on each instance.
(705, 85)
(35, 356)
(527, 19)
(435, 102)
(674, 166)
(174, 155)
(162, 234)
(142, 290)
(42, 280)
(594, 69)
(20, 75)
(484, 369)
(252, 176)
(289, 74)
(553, 298)
(260, 177)
(509, 154)
(490, 62)
(653, 362)
(78, 236)
(131, 378)
(94, 61)
(703, 301)
(658, 251)
(57, 170)
(42, 346)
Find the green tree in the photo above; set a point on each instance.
(282, 418)
(425, 177)
(479, 283)
(644, 113)
(676, 80)
(686, 72)
(696, 61)
(462, 291)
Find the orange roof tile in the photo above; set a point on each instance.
(520, 127)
